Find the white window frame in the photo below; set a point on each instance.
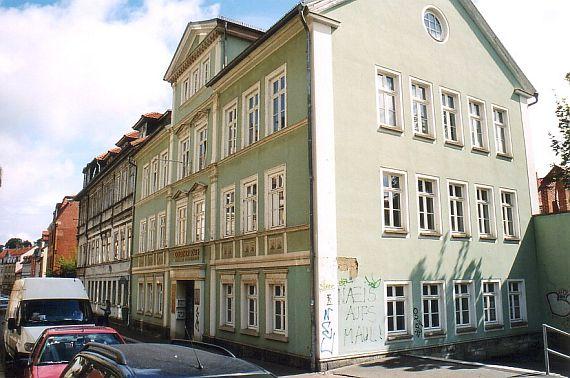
(161, 239)
(246, 111)
(522, 302)
(515, 212)
(491, 235)
(428, 102)
(184, 157)
(224, 231)
(226, 280)
(407, 299)
(185, 90)
(436, 205)
(151, 233)
(246, 281)
(205, 68)
(458, 111)
(145, 181)
(244, 183)
(466, 213)
(149, 297)
(198, 219)
(164, 161)
(471, 326)
(159, 297)
(181, 228)
(396, 93)
(506, 125)
(403, 229)
(197, 143)
(143, 235)
(498, 322)
(442, 306)
(484, 127)
(271, 281)
(195, 77)
(155, 175)
(269, 174)
(269, 96)
(141, 297)
(229, 142)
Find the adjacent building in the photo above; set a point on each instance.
(11, 261)
(62, 243)
(553, 194)
(104, 233)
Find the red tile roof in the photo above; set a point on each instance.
(132, 134)
(154, 115)
(115, 150)
(15, 252)
(102, 156)
(138, 141)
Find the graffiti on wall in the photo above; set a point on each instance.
(360, 315)
(559, 302)
(418, 325)
(328, 333)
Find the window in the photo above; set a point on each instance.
(464, 305)
(517, 301)
(227, 317)
(249, 206)
(129, 239)
(393, 193)
(164, 169)
(275, 198)
(491, 303)
(199, 212)
(140, 302)
(277, 100)
(155, 175)
(451, 117)
(502, 137)
(151, 233)
(485, 212)
(161, 230)
(458, 208)
(181, 224)
(205, 71)
(195, 80)
(433, 306)
(142, 236)
(184, 157)
(428, 205)
(230, 129)
(477, 123)
(251, 116)
(250, 303)
(278, 308)
(229, 212)
(201, 147)
(185, 90)
(145, 181)
(149, 298)
(159, 298)
(421, 108)
(397, 314)
(435, 24)
(508, 209)
(389, 100)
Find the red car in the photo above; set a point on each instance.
(57, 346)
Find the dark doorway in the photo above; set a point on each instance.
(189, 323)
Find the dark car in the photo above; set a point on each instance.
(159, 360)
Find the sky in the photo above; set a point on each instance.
(77, 74)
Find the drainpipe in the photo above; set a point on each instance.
(314, 342)
(535, 96)
(130, 281)
(224, 43)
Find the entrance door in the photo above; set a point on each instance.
(189, 322)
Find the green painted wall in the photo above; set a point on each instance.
(553, 263)
(393, 36)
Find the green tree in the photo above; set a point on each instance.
(15, 243)
(67, 269)
(561, 146)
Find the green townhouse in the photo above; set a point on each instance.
(352, 182)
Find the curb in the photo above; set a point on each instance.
(507, 369)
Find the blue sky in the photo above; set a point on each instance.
(77, 74)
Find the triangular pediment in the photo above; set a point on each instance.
(198, 187)
(179, 194)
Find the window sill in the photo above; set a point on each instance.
(249, 332)
(394, 232)
(227, 328)
(394, 129)
(158, 316)
(399, 337)
(430, 234)
(434, 334)
(465, 330)
(488, 238)
(504, 156)
(460, 236)
(424, 137)
(276, 337)
(512, 239)
(519, 324)
(494, 327)
(452, 143)
(480, 150)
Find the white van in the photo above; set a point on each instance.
(38, 303)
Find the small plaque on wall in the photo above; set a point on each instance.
(227, 251)
(275, 244)
(249, 248)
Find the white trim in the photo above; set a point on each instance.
(281, 71)
(201, 126)
(442, 19)
(405, 214)
(248, 280)
(437, 202)
(499, 322)
(408, 308)
(460, 128)
(232, 105)
(472, 306)
(516, 216)
(442, 305)
(243, 183)
(196, 199)
(492, 211)
(227, 279)
(523, 306)
(251, 91)
(507, 126)
(271, 280)
(484, 123)
(223, 192)
(430, 107)
(281, 169)
(398, 95)
(466, 210)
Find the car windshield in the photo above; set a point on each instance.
(62, 348)
(56, 312)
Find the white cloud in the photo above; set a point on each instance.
(75, 76)
(536, 34)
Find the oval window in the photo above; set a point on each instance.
(434, 25)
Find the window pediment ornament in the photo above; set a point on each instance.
(198, 118)
(180, 194)
(198, 188)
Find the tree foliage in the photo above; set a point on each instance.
(561, 146)
(67, 269)
(16, 243)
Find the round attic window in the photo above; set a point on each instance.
(435, 25)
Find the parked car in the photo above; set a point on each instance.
(4, 299)
(159, 360)
(57, 346)
(38, 303)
